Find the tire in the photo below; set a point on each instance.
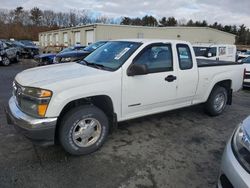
(6, 61)
(217, 101)
(83, 130)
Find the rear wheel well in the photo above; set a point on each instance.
(103, 102)
(227, 84)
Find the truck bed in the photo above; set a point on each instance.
(210, 63)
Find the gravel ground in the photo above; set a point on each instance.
(181, 148)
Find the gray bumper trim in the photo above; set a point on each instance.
(26, 121)
(42, 130)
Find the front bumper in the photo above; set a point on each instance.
(41, 131)
(232, 173)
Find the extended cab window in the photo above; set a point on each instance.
(204, 51)
(184, 56)
(157, 57)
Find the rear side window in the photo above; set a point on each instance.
(222, 50)
(184, 56)
(157, 57)
(204, 51)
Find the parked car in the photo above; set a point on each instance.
(220, 52)
(235, 165)
(8, 54)
(77, 104)
(243, 55)
(17, 49)
(75, 55)
(28, 48)
(246, 62)
(47, 59)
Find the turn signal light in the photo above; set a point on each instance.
(45, 93)
(42, 109)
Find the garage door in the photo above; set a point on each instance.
(57, 39)
(65, 39)
(77, 37)
(45, 40)
(50, 40)
(89, 37)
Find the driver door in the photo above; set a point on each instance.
(152, 92)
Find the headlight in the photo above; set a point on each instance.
(36, 92)
(33, 101)
(241, 145)
(66, 59)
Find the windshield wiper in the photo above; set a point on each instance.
(95, 65)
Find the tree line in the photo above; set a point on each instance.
(242, 32)
(26, 24)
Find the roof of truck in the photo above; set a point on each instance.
(152, 40)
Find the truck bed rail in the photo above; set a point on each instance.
(211, 63)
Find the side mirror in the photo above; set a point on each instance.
(137, 69)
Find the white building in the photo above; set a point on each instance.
(88, 34)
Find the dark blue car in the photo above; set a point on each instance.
(47, 59)
(71, 54)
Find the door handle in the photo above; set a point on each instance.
(170, 78)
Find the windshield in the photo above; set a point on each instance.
(203, 51)
(18, 44)
(94, 46)
(112, 54)
(69, 49)
(28, 43)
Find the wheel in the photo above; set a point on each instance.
(83, 130)
(217, 101)
(6, 61)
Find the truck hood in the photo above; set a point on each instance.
(47, 75)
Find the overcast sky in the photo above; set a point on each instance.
(223, 11)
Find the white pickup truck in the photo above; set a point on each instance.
(77, 104)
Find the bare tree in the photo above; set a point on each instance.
(49, 18)
(36, 15)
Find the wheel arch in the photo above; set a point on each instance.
(227, 84)
(103, 102)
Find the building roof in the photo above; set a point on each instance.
(133, 26)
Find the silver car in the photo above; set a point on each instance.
(235, 167)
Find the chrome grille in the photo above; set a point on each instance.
(17, 92)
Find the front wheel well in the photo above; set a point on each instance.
(103, 102)
(227, 84)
